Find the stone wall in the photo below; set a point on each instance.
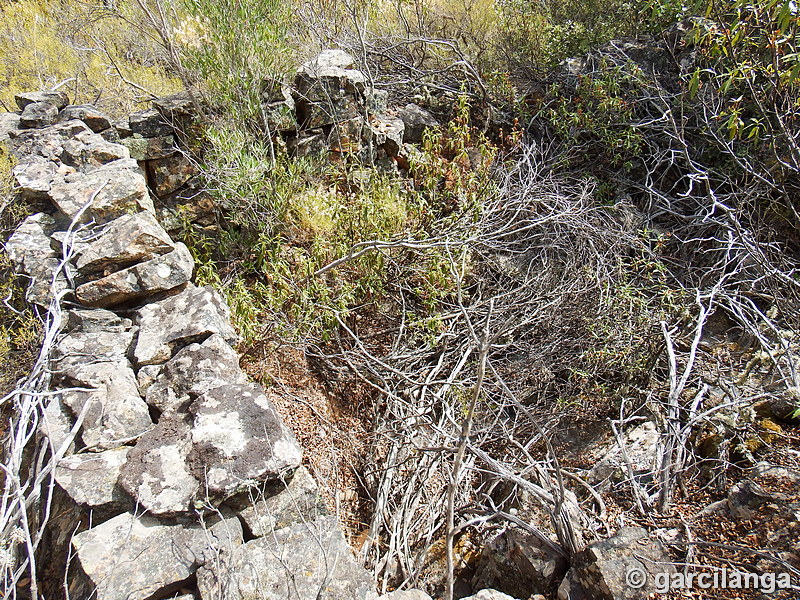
(178, 476)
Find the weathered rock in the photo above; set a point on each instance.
(166, 175)
(37, 115)
(96, 320)
(149, 123)
(349, 136)
(57, 99)
(193, 371)
(283, 504)
(9, 122)
(781, 406)
(91, 479)
(185, 318)
(124, 241)
(113, 193)
(142, 148)
(80, 347)
(239, 440)
(96, 120)
(417, 120)
(613, 569)
(146, 376)
(328, 89)
(56, 424)
(641, 447)
(280, 116)
(159, 274)
(387, 132)
(307, 562)
(190, 203)
(88, 150)
(405, 595)
(176, 106)
(47, 142)
(133, 558)
(35, 175)
(156, 474)
(112, 408)
(519, 565)
(770, 492)
(30, 243)
(308, 145)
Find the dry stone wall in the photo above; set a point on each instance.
(178, 474)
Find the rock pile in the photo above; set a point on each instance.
(181, 472)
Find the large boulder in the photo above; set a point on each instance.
(159, 274)
(135, 558)
(186, 318)
(239, 440)
(307, 561)
(156, 474)
(193, 371)
(625, 566)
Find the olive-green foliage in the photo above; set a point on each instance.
(88, 49)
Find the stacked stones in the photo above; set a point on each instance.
(166, 453)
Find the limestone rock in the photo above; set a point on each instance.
(519, 565)
(56, 424)
(159, 274)
(603, 569)
(57, 99)
(149, 123)
(118, 192)
(239, 439)
(124, 241)
(96, 120)
(112, 408)
(284, 504)
(156, 474)
(30, 243)
(416, 120)
(307, 562)
(185, 318)
(37, 115)
(134, 558)
(166, 175)
(194, 370)
(91, 479)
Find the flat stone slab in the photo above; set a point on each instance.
(194, 370)
(134, 558)
(91, 479)
(96, 120)
(78, 348)
(38, 114)
(308, 561)
(116, 192)
(35, 175)
(57, 99)
(156, 474)
(188, 317)
(124, 241)
(159, 274)
(239, 440)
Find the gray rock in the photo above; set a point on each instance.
(30, 242)
(166, 175)
(35, 175)
(283, 504)
(417, 120)
(47, 142)
(96, 120)
(57, 99)
(159, 274)
(37, 115)
(176, 106)
(309, 145)
(194, 370)
(56, 424)
(329, 90)
(91, 479)
(641, 447)
(602, 570)
(185, 318)
(9, 122)
(146, 376)
(377, 101)
(118, 191)
(134, 558)
(387, 133)
(88, 150)
(156, 474)
(124, 241)
(149, 123)
(307, 562)
(519, 565)
(112, 408)
(280, 116)
(96, 320)
(142, 148)
(81, 347)
(239, 440)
